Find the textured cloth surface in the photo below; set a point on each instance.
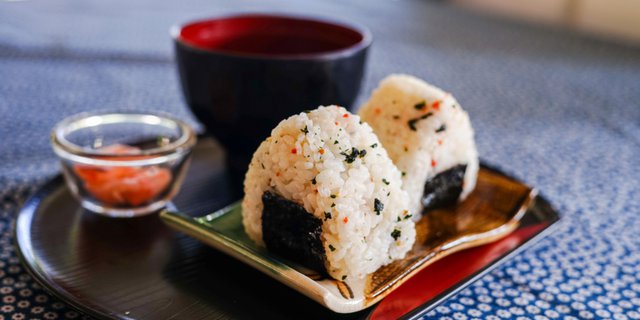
(555, 109)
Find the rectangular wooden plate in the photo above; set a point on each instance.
(498, 206)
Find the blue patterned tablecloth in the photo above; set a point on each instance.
(558, 110)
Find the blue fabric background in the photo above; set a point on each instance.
(558, 110)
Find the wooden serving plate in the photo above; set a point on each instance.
(492, 211)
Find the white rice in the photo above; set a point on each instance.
(308, 146)
(421, 153)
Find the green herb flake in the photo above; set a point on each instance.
(420, 105)
(333, 196)
(327, 215)
(305, 130)
(412, 122)
(396, 234)
(313, 181)
(378, 206)
(385, 181)
(408, 216)
(332, 248)
(344, 277)
(443, 127)
(399, 219)
(404, 173)
(374, 145)
(355, 153)
(333, 205)
(335, 142)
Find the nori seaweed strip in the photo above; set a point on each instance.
(444, 189)
(290, 231)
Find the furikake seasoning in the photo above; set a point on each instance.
(420, 105)
(377, 206)
(412, 122)
(355, 153)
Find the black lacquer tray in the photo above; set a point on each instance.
(141, 269)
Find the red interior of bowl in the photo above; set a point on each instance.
(269, 35)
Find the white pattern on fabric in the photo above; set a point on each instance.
(557, 110)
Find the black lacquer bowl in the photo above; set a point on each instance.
(241, 75)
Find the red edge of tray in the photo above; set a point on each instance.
(441, 277)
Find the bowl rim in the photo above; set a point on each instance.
(364, 43)
(157, 155)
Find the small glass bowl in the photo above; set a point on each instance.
(123, 164)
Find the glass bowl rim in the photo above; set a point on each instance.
(71, 151)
